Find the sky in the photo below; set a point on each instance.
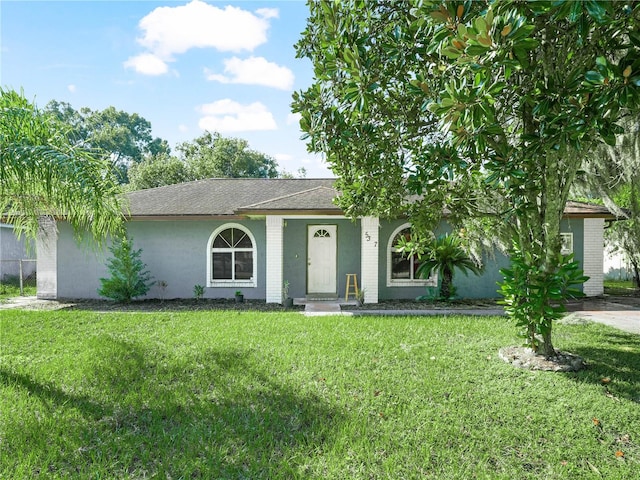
(185, 66)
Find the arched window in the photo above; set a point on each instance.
(401, 268)
(231, 257)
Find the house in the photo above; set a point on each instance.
(254, 234)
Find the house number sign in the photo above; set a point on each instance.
(368, 239)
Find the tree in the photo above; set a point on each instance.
(443, 254)
(484, 108)
(157, 171)
(43, 174)
(212, 155)
(125, 138)
(613, 174)
(129, 279)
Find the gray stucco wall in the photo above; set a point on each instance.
(472, 286)
(295, 253)
(12, 251)
(174, 251)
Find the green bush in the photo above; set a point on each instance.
(129, 279)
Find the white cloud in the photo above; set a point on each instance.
(71, 87)
(147, 64)
(230, 116)
(268, 13)
(183, 128)
(254, 71)
(293, 118)
(283, 157)
(171, 30)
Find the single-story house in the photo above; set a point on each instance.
(254, 235)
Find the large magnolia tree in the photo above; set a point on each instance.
(43, 175)
(485, 108)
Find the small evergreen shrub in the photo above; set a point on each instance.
(129, 279)
(198, 291)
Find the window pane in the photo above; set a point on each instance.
(222, 266)
(244, 265)
(406, 234)
(224, 239)
(416, 264)
(242, 239)
(400, 266)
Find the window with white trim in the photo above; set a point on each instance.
(231, 257)
(566, 243)
(401, 268)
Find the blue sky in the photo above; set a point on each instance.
(185, 66)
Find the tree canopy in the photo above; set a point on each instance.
(212, 155)
(157, 171)
(486, 109)
(124, 137)
(208, 156)
(43, 174)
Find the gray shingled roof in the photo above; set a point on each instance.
(580, 209)
(226, 196)
(247, 196)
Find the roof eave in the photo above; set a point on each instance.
(172, 217)
(296, 212)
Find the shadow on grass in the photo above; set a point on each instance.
(209, 414)
(614, 363)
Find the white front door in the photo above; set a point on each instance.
(321, 259)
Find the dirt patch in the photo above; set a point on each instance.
(523, 357)
(174, 305)
(468, 304)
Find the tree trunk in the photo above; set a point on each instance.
(547, 345)
(636, 274)
(445, 288)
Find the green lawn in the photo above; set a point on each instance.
(620, 287)
(11, 288)
(278, 395)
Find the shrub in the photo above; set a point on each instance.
(129, 279)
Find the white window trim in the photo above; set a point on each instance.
(231, 283)
(432, 281)
(569, 242)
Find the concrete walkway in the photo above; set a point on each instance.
(618, 316)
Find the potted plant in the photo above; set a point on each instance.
(287, 301)
(239, 296)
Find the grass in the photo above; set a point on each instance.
(10, 287)
(620, 287)
(278, 395)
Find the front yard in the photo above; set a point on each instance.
(277, 395)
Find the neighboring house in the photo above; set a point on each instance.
(13, 252)
(254, 234)
(617, 266)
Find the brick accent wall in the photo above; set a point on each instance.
(274, 259)
(370, 233)
(593, 264)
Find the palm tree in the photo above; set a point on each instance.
(443, 255)
(43, 175)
